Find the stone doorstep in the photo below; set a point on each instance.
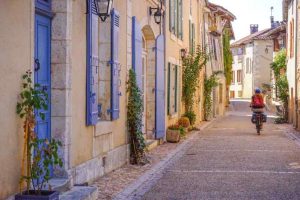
(80, 193)
(151, 144)
(60, 184)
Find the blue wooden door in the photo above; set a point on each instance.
(160, 89)
(42, 71)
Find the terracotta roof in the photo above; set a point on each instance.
(249, 38)
(271, 33)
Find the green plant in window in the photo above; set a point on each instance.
(209, 84)
(134, 121)
(192, 66)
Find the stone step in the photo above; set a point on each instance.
(60, 184)
(151, 144)
(80, 193)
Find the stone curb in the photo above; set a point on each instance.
(143, 184)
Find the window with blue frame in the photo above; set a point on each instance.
(176, 18)
(109, 69)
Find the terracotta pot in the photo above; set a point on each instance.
(173, 136)
(46, 195)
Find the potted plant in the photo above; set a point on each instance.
(174, 133)
(185, 123)
(39, 155)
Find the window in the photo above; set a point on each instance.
(292, 38)
(248, 66)
(176, 18)
(239, 76)
(220, 93)
(215, 49)
(192, 36)
(232, 77)
(172, 88)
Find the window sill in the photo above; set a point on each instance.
(103, 128)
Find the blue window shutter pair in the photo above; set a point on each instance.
(115, 93)
(160, 88)
(137, 50)
(92, 66)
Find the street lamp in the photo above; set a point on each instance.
(103, 8)
(183, 53)
(157, 14)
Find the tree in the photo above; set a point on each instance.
(228, 58)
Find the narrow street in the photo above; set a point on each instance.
(229, 161)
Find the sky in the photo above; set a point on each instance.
(251, 12)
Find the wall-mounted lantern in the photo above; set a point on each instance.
(157, 13)
(103, 8)
(183, 53)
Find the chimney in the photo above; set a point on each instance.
(273, 25)
(253, 28)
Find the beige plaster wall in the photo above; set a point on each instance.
(173, 46)
(15, 58)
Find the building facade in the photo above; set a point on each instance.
(82, 63)
(252, 58)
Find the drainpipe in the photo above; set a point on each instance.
(296, 59)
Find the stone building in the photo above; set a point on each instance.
(83, 64)
(253, 55)
(217, 21)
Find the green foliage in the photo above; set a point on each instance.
(45, 156)
(279, 63)
(178, 127)
(40, 154)
(209, 84)
(192, 66)
(283, 88)
(192, 116)
(228, 58)
(32, 97)
(134, 120)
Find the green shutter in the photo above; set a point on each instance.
(171, 15)
(169, 87)
(193, 38)
(190, 35)
(175, 17)
(176, 87)
(180, 20)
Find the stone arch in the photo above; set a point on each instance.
(149, 80)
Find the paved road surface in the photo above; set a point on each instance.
(229, 161)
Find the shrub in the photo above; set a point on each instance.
(192, 117)
(184, 122)
(177, 127)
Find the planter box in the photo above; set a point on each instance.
(46, 195)
(173, 135)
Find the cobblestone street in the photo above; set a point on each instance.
(230, 161)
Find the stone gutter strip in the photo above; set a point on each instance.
(143, 184)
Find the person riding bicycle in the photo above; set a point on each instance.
(257, 100)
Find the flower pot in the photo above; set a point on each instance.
(173, 136)
(45, 195)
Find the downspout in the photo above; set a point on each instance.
(296, 59)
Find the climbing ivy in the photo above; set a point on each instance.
(228, 58)
(134, 121)
(281, 82)
(209, 84)
(192, 66)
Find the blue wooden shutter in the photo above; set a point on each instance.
(115, 93)
(169, 89)
(176, 88)
(92, 66)
(160, 88)
(137, 50)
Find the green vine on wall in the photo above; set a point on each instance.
(281, 82)
(192, 66)
(228, 59)
(134, 121)
(209, 84)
